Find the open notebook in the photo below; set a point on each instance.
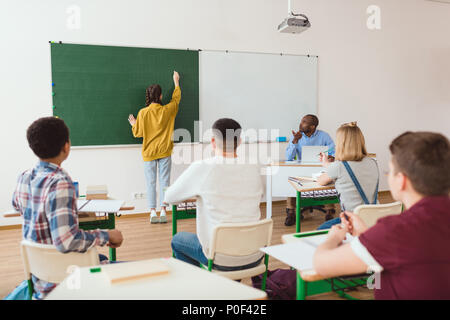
(299, 254)
(128, 271)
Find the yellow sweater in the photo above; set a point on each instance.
(155, 124)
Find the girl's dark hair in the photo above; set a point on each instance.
(153, 94)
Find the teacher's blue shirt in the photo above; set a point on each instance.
(318, 138)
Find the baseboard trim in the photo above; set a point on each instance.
(168, 212)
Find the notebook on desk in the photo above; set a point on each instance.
(136, 270)
(299, 254)
(99, 205)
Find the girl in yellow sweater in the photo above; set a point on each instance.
(155, 123)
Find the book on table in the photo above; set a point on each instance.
(136, 270)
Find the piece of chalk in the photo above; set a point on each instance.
(93, 270)
(281, 139)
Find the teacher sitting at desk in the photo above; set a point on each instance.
(155, 123)
(307, 135)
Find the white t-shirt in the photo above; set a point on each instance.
(226, 190)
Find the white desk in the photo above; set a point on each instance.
(297, 251)
(184, 281)
(277, 175)
(107, 206)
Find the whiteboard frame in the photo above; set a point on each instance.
(316, 107)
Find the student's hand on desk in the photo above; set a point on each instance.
(338, 233)
(355, 225)
(297, 136)
(131, 120)
(115, 238)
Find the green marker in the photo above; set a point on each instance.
(94, 270)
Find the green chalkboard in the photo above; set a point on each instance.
(95, 88)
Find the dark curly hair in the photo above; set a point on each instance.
(47, 136)
(153, 94)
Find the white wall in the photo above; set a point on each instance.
(391, 80)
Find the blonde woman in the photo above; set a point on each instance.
(354, 174)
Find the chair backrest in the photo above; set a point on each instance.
(370, 213)
(47, 263)
(240, 239)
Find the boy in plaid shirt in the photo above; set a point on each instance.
(46, 198)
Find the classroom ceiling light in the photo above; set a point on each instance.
(294, 23)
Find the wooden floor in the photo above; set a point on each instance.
(146, 241)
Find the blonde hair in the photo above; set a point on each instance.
(350, 143)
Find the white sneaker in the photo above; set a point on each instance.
(153, 217)
(162, 216)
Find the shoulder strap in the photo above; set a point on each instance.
(356, 182)
(375, 197)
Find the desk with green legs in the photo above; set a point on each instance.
(186, 212)
(302, 202)
(297, 251)
(99, 214)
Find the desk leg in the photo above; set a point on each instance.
(112, 254)
(297, 213)
(112, 251)
(174, 220)
(174, 224)
(301, 288)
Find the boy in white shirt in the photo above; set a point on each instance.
(227, 191)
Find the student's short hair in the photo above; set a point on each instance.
(227, 133)
(314, 119)
(350, 143)
(424, 157)
(47, 136)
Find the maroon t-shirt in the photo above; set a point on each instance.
(414, 250)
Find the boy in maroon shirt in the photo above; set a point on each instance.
(410, 250)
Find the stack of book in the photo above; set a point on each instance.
(137, 270)
(97, 192)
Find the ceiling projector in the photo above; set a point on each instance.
(294, 23)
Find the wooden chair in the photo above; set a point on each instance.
(241, 239)
(45, 262)
(370, 213)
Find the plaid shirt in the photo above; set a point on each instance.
(45, 196)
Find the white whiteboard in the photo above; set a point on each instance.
(260, 91)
